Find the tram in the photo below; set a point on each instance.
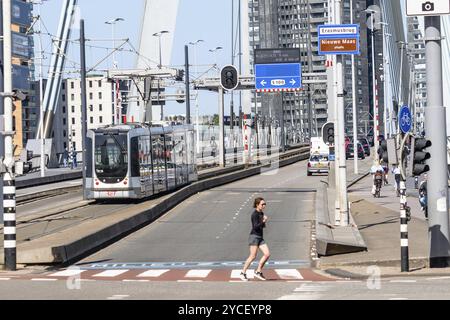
(135, 161)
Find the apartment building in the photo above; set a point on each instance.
(100, 111)
(416, 50)
(294, 24)
(24, 116)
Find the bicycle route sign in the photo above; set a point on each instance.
(405, 119)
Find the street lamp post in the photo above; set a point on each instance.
(117, 110)
(375, 107)
(194, 44)
(159, 34)
(215, 55)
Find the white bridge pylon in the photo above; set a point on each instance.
(158, 15)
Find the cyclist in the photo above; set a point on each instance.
(377, 172)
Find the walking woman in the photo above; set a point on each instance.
(256, 240)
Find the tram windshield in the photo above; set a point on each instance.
(111, 159)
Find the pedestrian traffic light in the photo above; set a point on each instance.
(229, 77)
(418, 156)
(328, 133)
(383, 152)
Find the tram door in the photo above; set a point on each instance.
(159, 167)
(180, 151)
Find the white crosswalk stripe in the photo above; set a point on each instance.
(153, 273)
(289, 274)
(67, 273)
(110, 273)
(197, 273)
(235, 274)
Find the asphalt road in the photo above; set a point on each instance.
(214, 225)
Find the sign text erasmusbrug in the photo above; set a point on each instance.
(278, 70)
(339, 39)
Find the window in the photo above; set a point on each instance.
(99, 95)
(73, 109)
(91, 96)
(100, 119)
(64, 121)
(73, 120)
(64, 86)
(72, 97)
(90, 84)
(100, 107)
(64, 109)
(99, 83)
(91, 119)
(63, 97)
(91, 108)
(72, 85)
(64, 133)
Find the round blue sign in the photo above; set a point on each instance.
(405, 119)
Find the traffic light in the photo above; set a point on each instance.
(383, 151)
(229, 78)
(419, 156)
(328, 133)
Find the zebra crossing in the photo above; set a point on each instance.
(180, 275)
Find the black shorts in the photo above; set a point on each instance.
(254, 240)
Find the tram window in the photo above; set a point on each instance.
(111, 158)
(134, 157)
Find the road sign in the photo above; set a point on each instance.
(278, 77)
(405, 119)
(427, 8)
(339, 39)
(270, 56)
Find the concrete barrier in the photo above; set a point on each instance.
(71, 244)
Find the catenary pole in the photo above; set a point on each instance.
(340, 125)
(435, 131)
(355, 115)
(188, 91)
(9, 184)
(83, 102)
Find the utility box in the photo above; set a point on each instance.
(392, 151)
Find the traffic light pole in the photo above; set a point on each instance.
(221, 129)
(405, 214)
(435, 130)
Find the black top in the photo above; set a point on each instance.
(257, 224)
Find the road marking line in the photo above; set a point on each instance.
(4, 279)
(43, 279)
(403, 281)
(67, 273)
(235, 274)
(288, 274)
(197, 274)
(153, 273)
(438, 278)
(110, 273)
(398, 299)
(189, 280)
(134, 280)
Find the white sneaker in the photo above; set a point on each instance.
(243, 276)
(260, 276)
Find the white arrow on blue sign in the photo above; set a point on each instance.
(278, 76)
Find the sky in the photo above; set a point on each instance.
(192, 24)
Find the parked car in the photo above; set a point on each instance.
(349, 151)
(318, 163)
(365, 145)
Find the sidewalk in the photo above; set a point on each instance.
(378, 222)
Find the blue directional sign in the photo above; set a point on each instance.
(339, 39)
(278, 77)
(405, 119)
